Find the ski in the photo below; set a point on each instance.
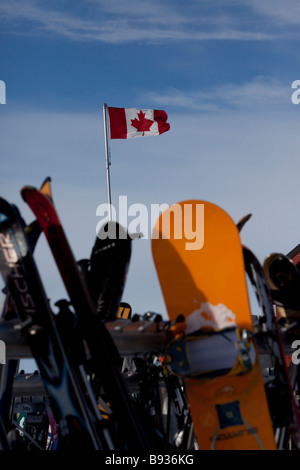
(104, 354)
(109, 263)
(10, 370)
(199, 262)
(243, 221)
(294, 254)
(285, 418)
(61, 380)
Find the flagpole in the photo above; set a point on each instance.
(107, 159)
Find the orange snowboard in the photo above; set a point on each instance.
(199, 261)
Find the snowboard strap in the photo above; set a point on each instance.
(186, 355)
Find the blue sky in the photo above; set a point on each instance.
(223, 72)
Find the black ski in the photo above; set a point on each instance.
(109, 263)
(243, 221)
(9, 371)
(63, 383)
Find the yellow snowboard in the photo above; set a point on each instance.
(199, 261)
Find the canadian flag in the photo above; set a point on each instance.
(128, 123)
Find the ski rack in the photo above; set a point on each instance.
(132, 338)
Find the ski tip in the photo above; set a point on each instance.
(5, 209)
(46, 188)
(124, 311)
(294, 252)
(25, 190)
(46, 180)
(3, 201)
(242, 221)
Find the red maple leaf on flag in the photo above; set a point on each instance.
(142, 124)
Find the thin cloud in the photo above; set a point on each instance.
(151, 22)
(284, 13)
(261, 92)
